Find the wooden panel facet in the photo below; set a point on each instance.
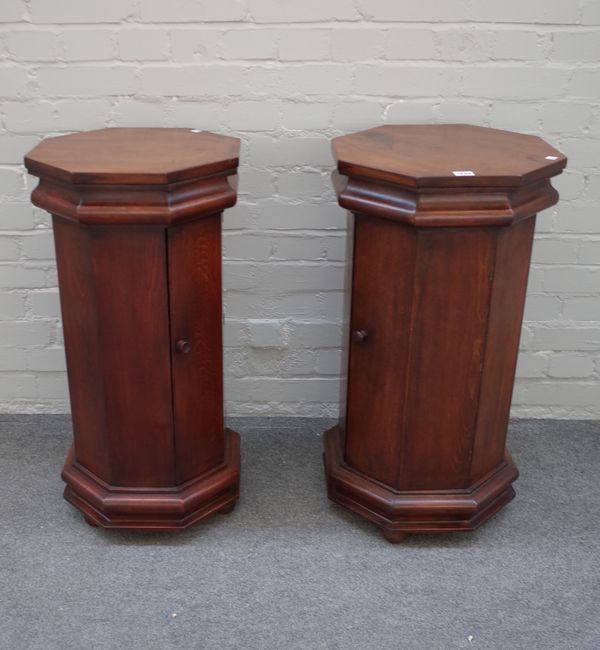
(502, 346)
(381, 301)
(82, 339)
(196, 317)
(129, 268)
(451, 294)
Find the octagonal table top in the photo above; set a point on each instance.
(145, 156)
(446, 155)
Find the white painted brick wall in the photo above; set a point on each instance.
(286, 77)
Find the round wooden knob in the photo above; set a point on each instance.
(360, 335)
(183, 346)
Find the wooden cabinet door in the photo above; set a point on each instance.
(381, 304)
(194, 251)
(419, 313)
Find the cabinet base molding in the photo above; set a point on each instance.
(167, 509)
(399, 513)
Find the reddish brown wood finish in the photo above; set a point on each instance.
(426, 156)
(439, 277)
(166, 156)
(195, 253)
(137, 226)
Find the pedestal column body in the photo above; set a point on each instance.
(439, 275)
(137, 227)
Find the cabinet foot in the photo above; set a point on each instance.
(394, 536)
(225, 510)
(90, 522)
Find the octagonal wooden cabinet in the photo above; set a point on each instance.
(137, 228)
(443, 223)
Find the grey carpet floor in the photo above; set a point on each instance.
(288, 569)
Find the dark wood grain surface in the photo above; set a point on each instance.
(81, 329)
(133, 156)
(133, 329)
(429, 156)
(195, 307)
(381, 306)
(513, 253)
(450, 301)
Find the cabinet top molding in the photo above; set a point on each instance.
(135, 156)
(445, 174)
(135, 176)
(447, 155)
